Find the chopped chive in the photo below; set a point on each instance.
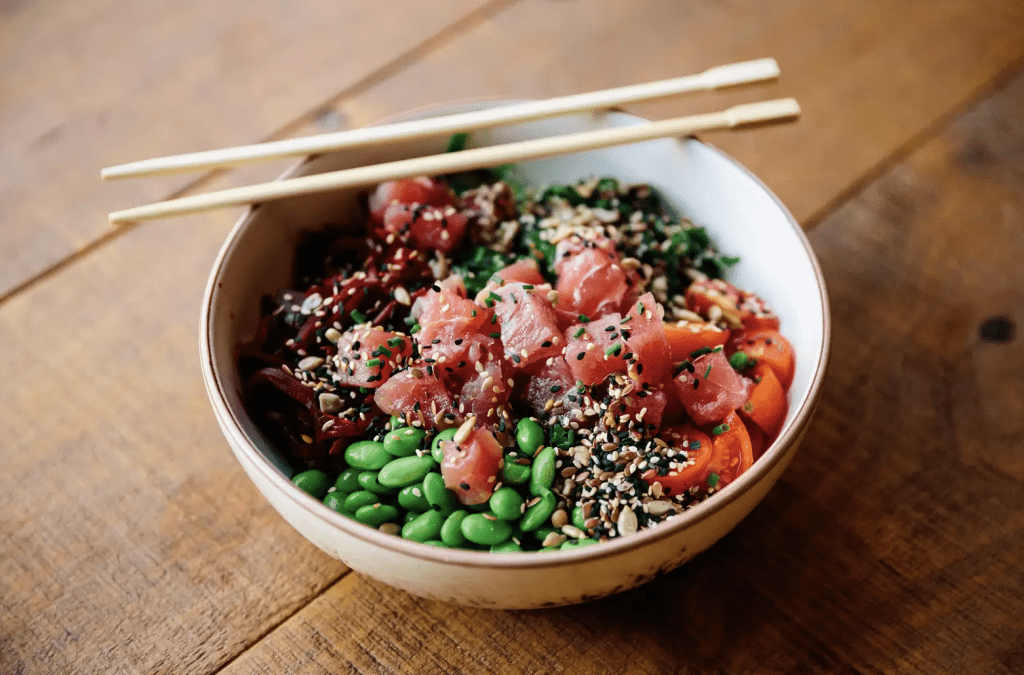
(640, 308)
(740, 361)
(416, 328)
(694, 445)
(358, 316)
(383, 350)
(494, 318)
(720, 429)
(495, 335)
(614, 349)
(489, 303)
(700, 352)
(580, 332)
(528, 286)
(629, 317)
(583, 318)
(473, 313)
(712, 479)
(396, 342)
(718, 349)
(372, 363)
(494, 296)
(708, 371)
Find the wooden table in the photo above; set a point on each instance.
(131, 541)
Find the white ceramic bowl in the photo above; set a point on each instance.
(702, 183)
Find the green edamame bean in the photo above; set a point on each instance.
(578, 519)
(478, 508)
(313, 482)
(395, 422)
(480, 529)
(357, 500)
(435, 542)
(368, 481)
(438, 496)
(348, 481)
(515, 474)
(507, 547)
(541, 533)
(376, 515)
(576, 543)
(435, 446)
(409, 517)
(413, 499)
(336, 501)
(424, 527)
(506, 503)
(451, 530)
(539, 513)
(542, 473)
(367, 455)
(405, 471)
(404, 442)
(529, 436)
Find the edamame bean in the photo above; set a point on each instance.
(376, 515)
(541, 533)
(405, 471)
(507, 547)
(435, 446)
(539, 513)
(413, 499)
(515, 474)
(368, 481)
(313, 482)
(480, 529)
(506, 503)
(336, 501)
(357, 500)
(404, 442)
(367, 455)
(409, 517)
(395, 422)
(438, 496)
(576, 543)
(542, 473)
(578, 519)
(424, 527)
(348, 481)
(451, 531)
(529, 436)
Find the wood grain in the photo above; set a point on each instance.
(132, 541)
(87, 84)
(870, 75)
(895, 542)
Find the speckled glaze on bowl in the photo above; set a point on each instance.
(700, 182)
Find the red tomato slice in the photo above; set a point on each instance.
(712, 389)
(685, 337)
(733, 453)
(694, 474)
(470, 468)
(767, 404)
(770, 347)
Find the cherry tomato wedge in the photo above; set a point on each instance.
(769, 347)
(733, 453)
(698, 447)
(767, 404)
(685, 337)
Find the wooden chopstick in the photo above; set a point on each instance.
(740, 115)
(734, 74)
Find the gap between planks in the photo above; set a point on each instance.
(447, 34)
(987, 89)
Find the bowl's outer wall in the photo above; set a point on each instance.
(743, 217)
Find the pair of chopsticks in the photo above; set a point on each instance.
(734, 74)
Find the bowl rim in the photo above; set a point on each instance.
(231, 425)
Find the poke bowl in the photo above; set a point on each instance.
(582, 491)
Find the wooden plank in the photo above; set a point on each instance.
(132, 540)
(870, 75)
(895, 542)
(92, 83)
